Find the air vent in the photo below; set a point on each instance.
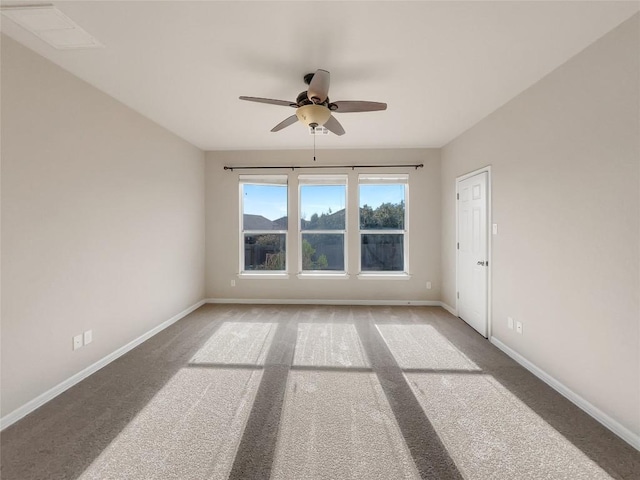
(51, 25)
(318, 131)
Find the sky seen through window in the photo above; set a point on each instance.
(270, 201)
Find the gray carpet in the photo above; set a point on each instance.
(313, 392)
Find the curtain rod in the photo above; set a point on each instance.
(352, 167)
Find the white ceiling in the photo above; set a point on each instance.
(440, 66)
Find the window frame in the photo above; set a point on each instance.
(328, 180)
(386, 179)
(268, 180)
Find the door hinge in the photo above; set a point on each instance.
(457, 294)
(458, 245)
(458, 196)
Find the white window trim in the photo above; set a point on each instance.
(323, 274)
(258, 275)
(384, 276)
(263, 179)
(329, 180)
(386, 179)
(275, 180)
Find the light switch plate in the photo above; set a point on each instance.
(88, 337)
(77, 342)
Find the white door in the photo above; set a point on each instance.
(473, 261)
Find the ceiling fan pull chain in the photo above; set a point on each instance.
(314, 144)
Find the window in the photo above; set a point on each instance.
(322, 223)
(263, 200)
(383, 223)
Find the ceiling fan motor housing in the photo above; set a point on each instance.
(313, 115)
(303, 99)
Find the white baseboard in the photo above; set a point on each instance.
(40, 400)
(315, 301)
(623, 432)
(449, 309)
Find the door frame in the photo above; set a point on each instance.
(460, 178)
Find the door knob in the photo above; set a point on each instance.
(481, 262)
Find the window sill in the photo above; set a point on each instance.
(324, 276)
(263, 276)
(384, 276)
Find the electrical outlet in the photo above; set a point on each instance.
(519, 327)
(510, 323)
(428, 285)
(88, 337)
(77, 342)
(233, 283)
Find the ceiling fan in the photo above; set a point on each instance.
(313, 107)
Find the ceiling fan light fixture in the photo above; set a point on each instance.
(315, 115)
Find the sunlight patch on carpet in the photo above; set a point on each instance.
(339, 425)
(238, 343)
(490, 433)
(422, 346)
(329, 345)
(189, 430)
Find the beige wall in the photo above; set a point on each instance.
(424, 227)
(102, 224)
(565, 161)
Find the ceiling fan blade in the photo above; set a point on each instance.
(334, 126)
(270, 101)
(285, 123)
(357, 106)
(319, 86)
